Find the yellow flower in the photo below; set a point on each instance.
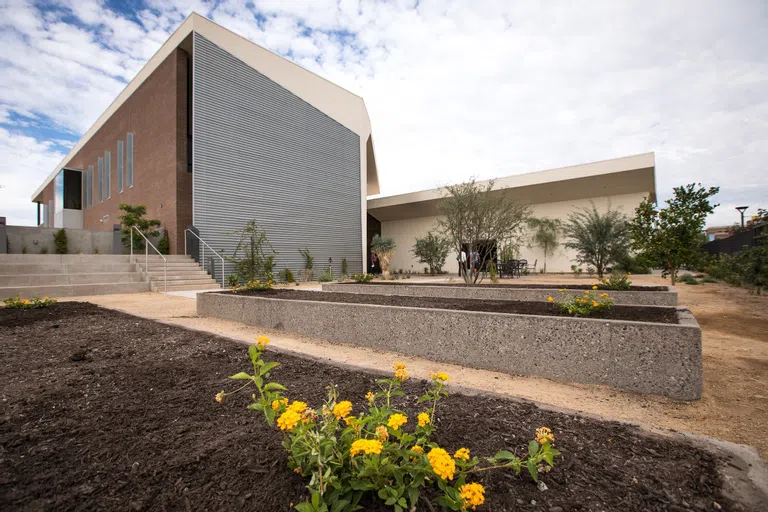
(441, 376)
(550, 299)
(562, 290)
(401, 374)
(262, 342)
(603, 295)
(220, 396)
(382, 434)
(277, 404)
(396, 421)
(462, 453)
(418, 449)
(370, 397)
(594, 304)
(368, 446)
(308, 415)
(297, 407)
(586, 292)
(423, 419)
(397, 365)
(544, 434)
(629, 273)
(342, 409)
(594, 287)
(288, 420)
(472, 495)
(442, 463)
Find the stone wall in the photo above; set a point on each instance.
(642, 357)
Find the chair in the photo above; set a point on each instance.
(521, 265)
(532, 269)
(508, 268)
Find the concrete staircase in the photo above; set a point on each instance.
(68, 275)
(183, 273)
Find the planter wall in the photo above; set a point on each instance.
(656, 358)
(512, 292)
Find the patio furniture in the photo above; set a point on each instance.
(532, 269)
(521, 265)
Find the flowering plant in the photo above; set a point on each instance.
(33, 303)
(254, 286)
(616, 281)
(378, 452)
(363, 278)
(590, 302)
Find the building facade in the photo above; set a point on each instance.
(216, 131)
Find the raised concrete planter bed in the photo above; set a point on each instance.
(643, 357)
(667, 296)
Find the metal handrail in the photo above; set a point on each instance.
(147, 245)
(205, 244)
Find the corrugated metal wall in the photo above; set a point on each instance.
(260, 152)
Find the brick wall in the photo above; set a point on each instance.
(156, 115)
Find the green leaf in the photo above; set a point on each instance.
(533, 448)
(505, 455)
(402, 503)
(274, 386)
(241, 376)
(256, 406)
(304, 507)
(383, 494)
(339, 505)
(253, 353)
(316, 499)
(532, 470)
(268, 366)
(413, 494)
(398, 508)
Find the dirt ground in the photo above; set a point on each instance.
(734, 404)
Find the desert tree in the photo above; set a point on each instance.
(671, 236)
(545, 234)
(253, 255)
(599, 239)
(383, 247)
(475, 216)
(134, 216)
(432, 250)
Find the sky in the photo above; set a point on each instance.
(454, 89)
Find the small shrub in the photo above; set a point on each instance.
(615, 281)
(577, 271)
(582, 305)
(363, 278)
(233, 281)
(286, 275)
(95, 250)
(309, 262)
(688, 279)
(23, 249)
(590, 271)
(256, 286)
(344, 268)
(33, 303)
(60, 240)
(638, 264)
(492, 273)
(378, 452)
(268, 266)
(709, 280)
(44, 249)
(164, 245)
(327, 276)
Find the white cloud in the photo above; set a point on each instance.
(485, 88)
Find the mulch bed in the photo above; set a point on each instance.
(666, 315)
(521, 285)
(105, 411)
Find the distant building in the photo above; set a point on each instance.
(719, 232)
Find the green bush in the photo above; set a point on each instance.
(492, 273)
(44, 249)
(363, 278)
(688, 279)
(344, 267)
(233, 281)
(747, 268)
(164, 245)
(709, 280)
(327, 276)
(615, 281)
(60, 239)
(638, 264)
(286, 276)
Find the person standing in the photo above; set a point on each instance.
(463, 262)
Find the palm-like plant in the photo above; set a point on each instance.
(545, 236)
(599, 239)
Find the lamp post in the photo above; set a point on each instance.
(742, 209)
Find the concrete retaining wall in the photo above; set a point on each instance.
(512, 292)
(33, 239)
(642, 357)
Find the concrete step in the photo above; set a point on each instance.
(72, 290)
(199, 280)
(158, 287)
(200, 276)
(171, 258)
(84, 268)
(62, 259)
(71, 279)
(154, 265)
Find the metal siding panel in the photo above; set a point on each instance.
(260, 152)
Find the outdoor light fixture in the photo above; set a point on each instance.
(104, 218)
(742, 209)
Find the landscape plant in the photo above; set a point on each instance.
(287, 276)
(164, 244)
(599, 239)
(615, 281)
(577, 271)
(671, 236)
(384, 248)
(545, 235)
(433, 250)
(476, 217)
(309, 262)
(252, 258)
(233, 281)
(344, 268)
(363, 278)
(134, 216)
(44, 249)
(588, 303)
(688, 279)
(60, 241)
(374, 451)
(33, 303)
(326, 276)
(747, 268)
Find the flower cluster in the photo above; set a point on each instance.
(375, 453)
(363, 278)
(588, 303)
(442, 464)
(33, 303)
(615, 281)
(258, 286)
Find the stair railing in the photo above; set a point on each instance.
(147, 245)
(202, 261)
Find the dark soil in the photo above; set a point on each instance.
(523, 285)
(665, 315)
(105, 411)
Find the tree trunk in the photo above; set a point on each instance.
(384, 260)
